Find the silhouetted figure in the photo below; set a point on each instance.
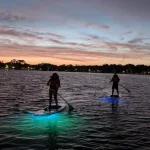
(115, 79)
(54, 84)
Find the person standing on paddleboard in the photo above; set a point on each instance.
(115, 79)
(54, 84)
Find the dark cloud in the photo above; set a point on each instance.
(95, 26)
(127, 33)
(25, 34)
(138, 40)
(70, 43)
(56, 41)
(21, 35)
(7, 16)
(92, 36)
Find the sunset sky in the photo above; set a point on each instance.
(82, 32)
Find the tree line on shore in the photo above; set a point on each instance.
(106, 68)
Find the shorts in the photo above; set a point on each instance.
(115, 86)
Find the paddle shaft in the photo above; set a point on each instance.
(124, 88)
(70, 106)
(63, 98)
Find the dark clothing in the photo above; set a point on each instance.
(54, 83)
(115, 81)
(115, 86)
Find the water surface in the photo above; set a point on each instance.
(93, 125)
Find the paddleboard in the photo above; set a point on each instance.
(114, 96)
(115, 99)
(54, 109)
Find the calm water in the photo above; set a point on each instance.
(94, 124)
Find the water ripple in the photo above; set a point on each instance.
(94, 124)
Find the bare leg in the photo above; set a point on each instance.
(118, 92)
(55, 97)
(50, 99)
(112, 92)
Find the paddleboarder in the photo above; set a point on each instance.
(54, 84)
(115, 79)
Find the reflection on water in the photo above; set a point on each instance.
(114, 107)
(97, 122)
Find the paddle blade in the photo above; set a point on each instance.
(69, 105)
(70, 108)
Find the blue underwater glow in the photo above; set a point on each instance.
(111, 100)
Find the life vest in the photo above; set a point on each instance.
(53, 83)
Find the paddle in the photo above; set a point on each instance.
(69, 105)
(121, 85)
(124, 88)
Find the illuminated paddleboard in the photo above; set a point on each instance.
(54, 109)
(115, 99)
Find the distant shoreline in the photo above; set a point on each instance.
(73, 71)
(106, 68)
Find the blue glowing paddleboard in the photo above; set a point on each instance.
(115, 99)
(54, 109)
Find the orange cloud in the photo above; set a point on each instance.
(59, 55)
